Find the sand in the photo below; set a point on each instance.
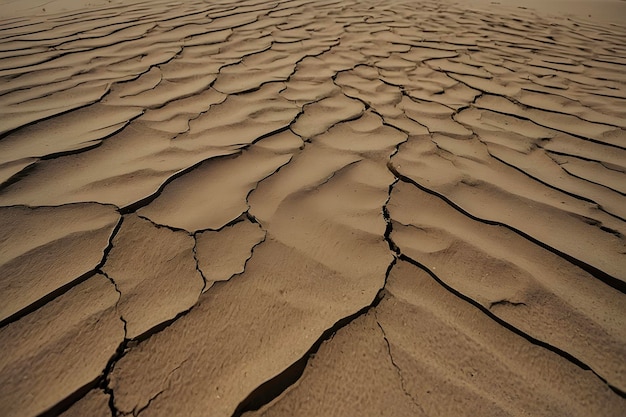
(312, 208)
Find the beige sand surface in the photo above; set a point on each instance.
(312, 208)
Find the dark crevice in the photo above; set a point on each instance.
(93, 144)
(67, 402)
(231, 223)
(66, 287)
(253, 219)
(592, 182)
(165, 324)
(241, 218)
(614, 232)
(505, 303)
(613, 282)
(268, 134)
(202, 112)
(101, 382)
(73, 203)
(616, 127)
(164, 226)
(607, 165)
(529, 119)
(60, 113)
(159, 327)
(105, 379)
(274, 387)
(348, 119)
(545, 183)
(507, 325)
(46, 298)
(120, 351)
(130, 208)
(242, 215)
(197, 261)
(331, 176)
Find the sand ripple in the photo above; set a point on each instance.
(311, 208)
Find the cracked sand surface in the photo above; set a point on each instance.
(311, 207)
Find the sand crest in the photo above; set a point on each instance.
(312, 208)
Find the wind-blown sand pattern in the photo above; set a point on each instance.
(311, 208)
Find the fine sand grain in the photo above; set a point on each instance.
(312, 208)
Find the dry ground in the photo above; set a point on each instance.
(311, 208)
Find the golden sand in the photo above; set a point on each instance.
(312, 208)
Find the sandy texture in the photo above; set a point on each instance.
(60, 348)
(35, 266)
(421, 352)
(312, 208)
(155, 271)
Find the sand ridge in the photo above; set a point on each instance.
(311, 207)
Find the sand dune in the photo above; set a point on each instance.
(312, 207)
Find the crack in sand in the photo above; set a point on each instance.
(601, 275)
(431, 67)
(398, 370)
(195, 257)
(69, 285)
(276, 386)
(510, 327)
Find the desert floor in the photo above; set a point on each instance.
(312, 208)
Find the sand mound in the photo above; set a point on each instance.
(311, 208)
